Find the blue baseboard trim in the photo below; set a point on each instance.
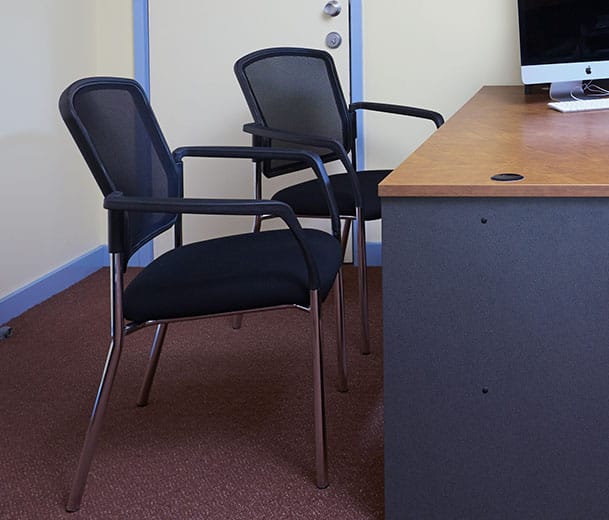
(56, 281)
(373, 254)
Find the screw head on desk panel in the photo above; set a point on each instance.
(485, 390)
(483, 220)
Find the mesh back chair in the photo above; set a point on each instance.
(141, 179)
(296, 100)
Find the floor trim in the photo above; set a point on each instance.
(374, 254)
(51, 283)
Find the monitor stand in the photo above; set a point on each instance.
(567, 91)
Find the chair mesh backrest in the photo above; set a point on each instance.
(295, 90)
(119, 137)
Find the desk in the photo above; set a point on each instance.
(496, 316)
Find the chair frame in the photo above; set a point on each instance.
(262, 135)
(118, 204)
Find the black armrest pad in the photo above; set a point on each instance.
(247, 152)
(293, 137)
(423, 113)
(119, 202)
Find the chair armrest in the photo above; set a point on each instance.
(294, 137)
(423, 113)
(310, 140)
(117, 202)
(248, 152)
(259, 153)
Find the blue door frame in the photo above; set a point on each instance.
(141, 71)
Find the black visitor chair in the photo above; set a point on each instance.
(296, 100)
(141, 179)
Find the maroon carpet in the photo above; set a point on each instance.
(228, 431)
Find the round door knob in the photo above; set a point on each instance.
(332, 8)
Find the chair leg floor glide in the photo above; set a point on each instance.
(237, 321)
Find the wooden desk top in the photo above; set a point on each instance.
(500, 130)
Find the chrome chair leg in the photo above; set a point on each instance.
(363, 282)
(321, 463)
(238, 318)
(153, 361)
(95, 423)
(103, 392)
(257, 223)
(345, 235)
(341, 348)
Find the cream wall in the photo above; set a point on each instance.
(114, 38)
(434, 55)
(50, 209)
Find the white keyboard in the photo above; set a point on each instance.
(580, 105)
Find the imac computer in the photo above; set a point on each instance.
(564, 43)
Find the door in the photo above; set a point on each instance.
(193, 46)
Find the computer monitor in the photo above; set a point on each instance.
(564, 43)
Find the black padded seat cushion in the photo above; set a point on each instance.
(233, 273)
(306, 198)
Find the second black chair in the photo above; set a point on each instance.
(296, 100)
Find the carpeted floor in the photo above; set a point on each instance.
(228, 431)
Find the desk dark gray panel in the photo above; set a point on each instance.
(496, 332)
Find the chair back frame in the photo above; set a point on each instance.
(338, 108)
